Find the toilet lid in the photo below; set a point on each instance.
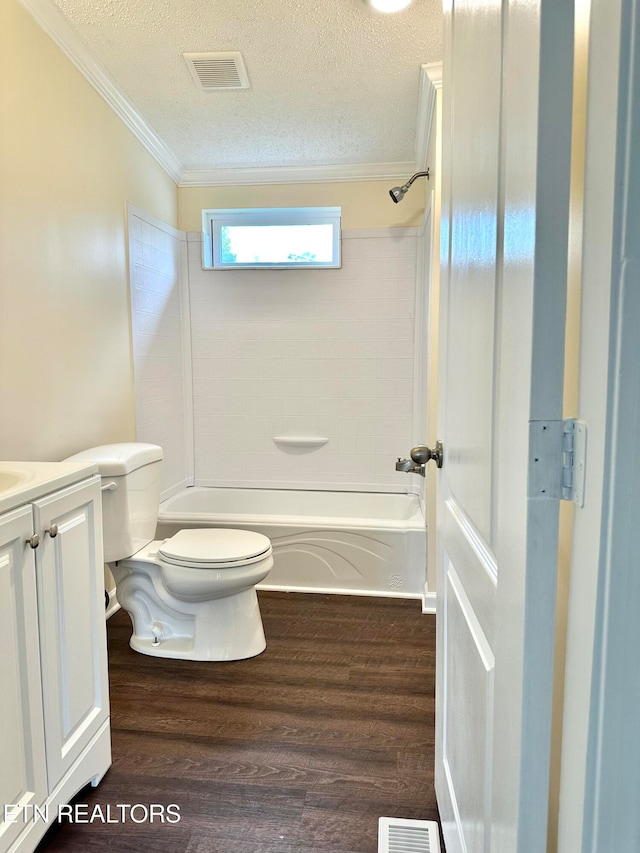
(214, 547)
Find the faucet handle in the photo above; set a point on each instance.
(423, 454)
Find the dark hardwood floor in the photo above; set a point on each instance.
(296, 751)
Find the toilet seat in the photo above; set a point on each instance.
(215, 548)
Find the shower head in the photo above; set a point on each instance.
(398, 193)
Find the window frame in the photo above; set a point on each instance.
(214, 220)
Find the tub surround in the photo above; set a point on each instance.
(306, 352)
(235, 361)
(161, 343)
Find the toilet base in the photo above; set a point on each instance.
(223, 629)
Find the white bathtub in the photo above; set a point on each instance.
(359, 543)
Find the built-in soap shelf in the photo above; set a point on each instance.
(300, 442)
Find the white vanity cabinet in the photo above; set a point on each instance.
(23, 777)
(73, 651)
(54, 711)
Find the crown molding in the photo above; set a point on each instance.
(297, 174)
(430, 82)
(433, 70)
(55, 25)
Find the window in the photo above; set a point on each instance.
(272, 238)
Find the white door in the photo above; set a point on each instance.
(72, 622)
(506, 153)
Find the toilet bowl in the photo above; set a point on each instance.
(191, 596)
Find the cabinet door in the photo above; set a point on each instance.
(22, 759)
(72, 621)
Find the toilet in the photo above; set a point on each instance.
(191, 596)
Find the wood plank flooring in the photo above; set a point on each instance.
(299, 750)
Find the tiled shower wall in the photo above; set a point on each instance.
(306, 352)
(162, 368)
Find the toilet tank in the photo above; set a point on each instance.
(130, 494)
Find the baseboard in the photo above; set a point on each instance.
(428, 602)
(330, 590)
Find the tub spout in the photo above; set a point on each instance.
(408, 466)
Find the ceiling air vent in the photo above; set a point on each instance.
(218, 70)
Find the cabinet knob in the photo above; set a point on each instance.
(52, 531)
(33, 541)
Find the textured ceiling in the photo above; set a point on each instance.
(332, 82)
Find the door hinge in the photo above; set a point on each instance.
(557, 457)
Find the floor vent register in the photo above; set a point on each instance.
(396, 835)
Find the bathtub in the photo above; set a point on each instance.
(358, 543)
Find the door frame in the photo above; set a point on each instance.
(425, 402)
(600, 773)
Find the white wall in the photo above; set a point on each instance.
(364, 204)
(68, 165)
(323, 352)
